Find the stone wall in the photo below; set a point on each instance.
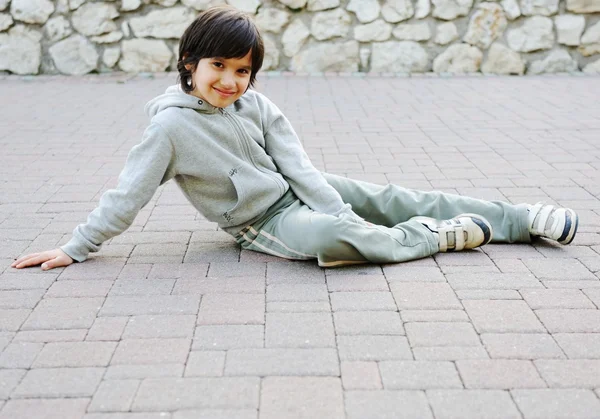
(391, 36)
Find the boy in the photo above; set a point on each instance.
(239, 162)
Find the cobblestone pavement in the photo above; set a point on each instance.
(172, 321)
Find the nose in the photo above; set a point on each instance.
(228, 80)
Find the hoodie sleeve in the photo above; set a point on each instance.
(283, 145)
(147, 167)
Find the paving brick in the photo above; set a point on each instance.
(205, 364)
(245, 269)
(209, 252)
(219, 285)
(441, 334)
(177, 270)
(549, 403)
(157, 326)
(353, 270)
(12, 319)
(263, 362)
(298, 307)
(385, 404)
(449, 353)
(578, 373)
(559, 269)
(135, 271)
(124, 372)
(232, 309)
(472, 404)
(94, 268)
(182, 393)
(360, 376)
(299, 330)
(64, 313)
(351, 301)
(10, 281)
(465, 258)
(142, 287)
(302, 397)
(59, 382)
(107, 328)
(216, 414)
(499, 374)
(521, 346)
(357, 283)
(73, 335)
(492, 281)
(151, 351)
(152, 304)
(434, 316)
(20, 354)
(298, 271)
(368, 323)
(419, 375)
(228, 337)
(511, 265)
(451, 269)
(556, 298)
(373, 348)
(45, 409)
(76, 288)
(488, 295)
(570, 321)
(9, 379)
(502, 316)
(20, 298)
(114, 396)
(75, 354)
(594, 295)
(297, 292)
(414, 295)
(572, 284)
(579, 345)
(401, 273)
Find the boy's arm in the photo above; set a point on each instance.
(147, 167)
(284, 146)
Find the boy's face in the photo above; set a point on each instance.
(221, 81)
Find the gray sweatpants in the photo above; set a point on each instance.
(292, 230)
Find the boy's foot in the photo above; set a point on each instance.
(465, 231)
(558, 224)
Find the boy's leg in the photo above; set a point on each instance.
(391, 204)
(297, 232)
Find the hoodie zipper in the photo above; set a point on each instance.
(241, 133)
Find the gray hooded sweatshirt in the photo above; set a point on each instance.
(232, 164)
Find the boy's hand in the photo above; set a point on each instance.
(49, 259)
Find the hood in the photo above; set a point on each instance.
(175, 97)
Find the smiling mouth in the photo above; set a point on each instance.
(223, 92)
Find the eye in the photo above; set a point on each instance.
(244, 71)
(218, 64)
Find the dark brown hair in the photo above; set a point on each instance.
(221, 31)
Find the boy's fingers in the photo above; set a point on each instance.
(32, 261)
(23, 259)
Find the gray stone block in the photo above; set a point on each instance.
(45, 409)
(142, 287)
(216, 414)
(373, 348)
(264, 362)
(76, 288)
(385, 404)
(183, 393)
(114, 396)
(402, 273)
(493, 281)
(94, 268)
(499, 374)
(423, 296)
(297, 272)
(559, 269)
(20, 298)
(434, 316)
(472, 404)
(556, 298)
(357, 375)
(160, 326)
(449, 353)
(579, 345)
(298, 307)
(368, 322)
(228, 337)
(74, 335)
(9, 379)
(75, 354)
(550, 403)
(151, 351)
(232, 309)
(502, 316)
(107, 328)
(570, 321)
(299, 330)
(594, 295)
(311, 397)
(152, 304)
(441, 334)
(219, 285)
(351, 301)
(347, 283)
(521, 346)
(488, 295)
(205, 364)
(12, 319)
(244, 269)
(64, 313)
(124, 372)
(20, 354)
(578, 373)
(297, 293)
(59, 383)
(419, 375)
